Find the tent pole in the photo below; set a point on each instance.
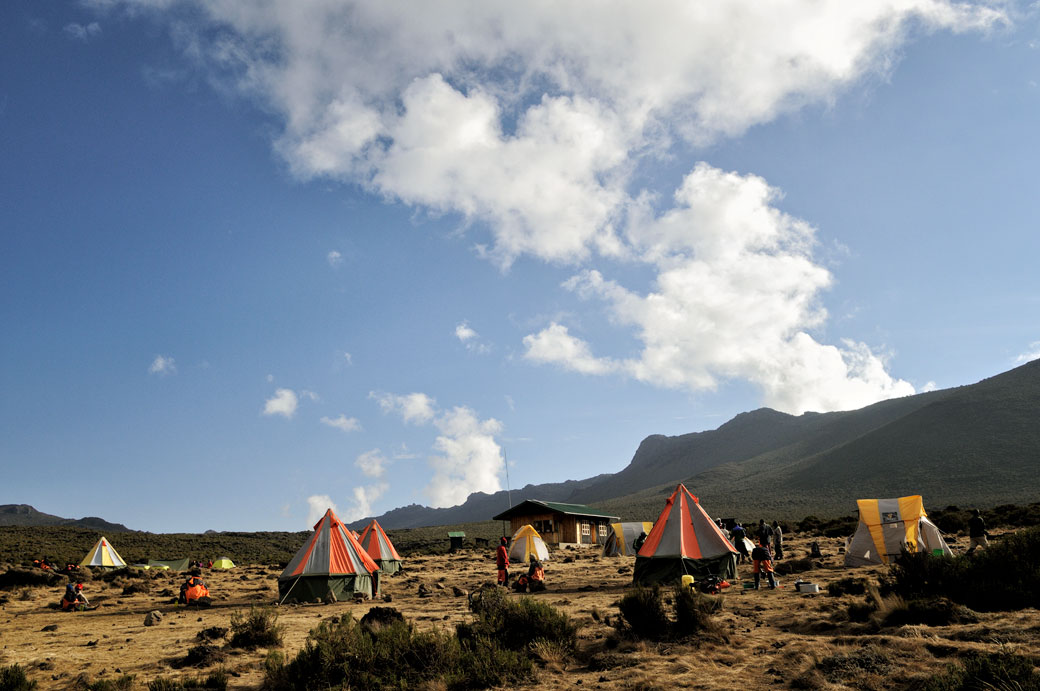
(282, 601)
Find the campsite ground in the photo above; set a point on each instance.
(776, 638)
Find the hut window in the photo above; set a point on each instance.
(586, 528)
(602, 530)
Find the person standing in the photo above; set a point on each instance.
(764, 533)
(738, 537)
(977, 535)
(778, 541)
(761, 561)
(502, 557)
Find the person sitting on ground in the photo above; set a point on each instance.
(194, 589)
(637, 544)
(762, 561)
(977, 535)
(502, 559)
(73, 600)
(535, 576)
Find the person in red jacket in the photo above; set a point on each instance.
(502, 556)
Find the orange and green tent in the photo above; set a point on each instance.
(379, 547)
(331, 560)
(684, 541)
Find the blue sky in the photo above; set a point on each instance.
(262, 258)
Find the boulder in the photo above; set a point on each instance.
(152, 618)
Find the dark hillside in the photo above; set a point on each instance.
(23, 514)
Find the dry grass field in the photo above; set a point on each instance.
(770, 639)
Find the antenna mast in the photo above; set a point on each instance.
(509, 492)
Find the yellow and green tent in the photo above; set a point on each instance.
(103, 554)
(223, 563)
(622, 535)
(888, 527)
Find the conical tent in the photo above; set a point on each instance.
(887, 527)
(223, 563)
(379, 547)
(171, 564)
(330, 560)
(622, 535)
(104, 555)
(684, 541)
(527, 543)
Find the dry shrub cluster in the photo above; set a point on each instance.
(13, 678)
(644, 616)
(257, 629)
(497, 648)
(999, 670)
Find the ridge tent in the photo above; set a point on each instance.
(103, 554)
(379, 547)
(684, 541)
(622, 535)
(223, 563)
(171, 564)
(527, 543)
(887, 525)
(330, 560)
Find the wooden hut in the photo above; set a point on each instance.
(560, 524)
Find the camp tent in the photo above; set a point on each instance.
(684, 541)
(330, 560)
(223, 563)
(104, 555)
(888, 526)
(622, 535)
(379, 547)
(171, 564)
(527, 543)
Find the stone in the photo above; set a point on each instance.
(153, 618)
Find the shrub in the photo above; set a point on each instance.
(999, 670)
(343, 654)
(694, 611)
(936, 611)
(643, 612)
(217, 681)
(123, 683)
(13, 678)
(847, 586)
(1001, 577)
(867, 660)
(515, 623)
(258, 628)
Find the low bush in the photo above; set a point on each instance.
(342, 654)
(216, 681)
(999, 578)
(832, 527)
(998, 670)
(936, 611)
(258, 628)
(12, 678)
(644, 615)
(515, 623)
(123, 683)
(847, 586)
(869, 660)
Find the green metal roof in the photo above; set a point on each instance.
(457, 533)
(528, 505)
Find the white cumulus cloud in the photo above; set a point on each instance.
(414, 408)
(362, 498)
(317, 505)
(82, 32)
(469, 458)
(334, 258)
(372, 463)
(342, 422)
(284, 403)
(162, 365)
(1029, 355)
(534, 121)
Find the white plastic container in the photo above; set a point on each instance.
(808, 588)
